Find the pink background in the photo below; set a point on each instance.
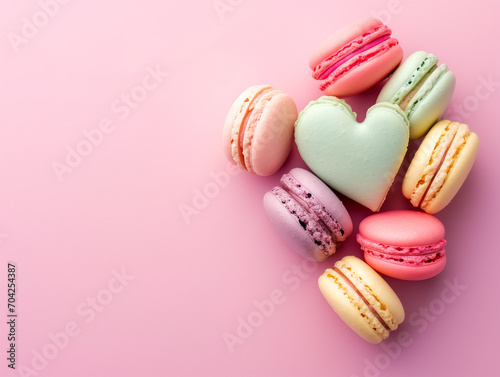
(214, 292)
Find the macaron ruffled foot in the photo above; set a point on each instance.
(407, 245)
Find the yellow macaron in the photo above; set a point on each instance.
(440, 165)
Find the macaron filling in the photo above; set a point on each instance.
(241, 123)
(361, 296)
(325, 231)
(251, 113)
(413, 92)
(369, 45)
(416, 79)
(327, 73)
(443, 157)
(420, 83)
(246, 136)
(425, 88)
(313, 205)
(313, 225)
(406, 255)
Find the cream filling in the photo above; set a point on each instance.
(443, 157)
(407, 99)
(415, 78)
(361, 296)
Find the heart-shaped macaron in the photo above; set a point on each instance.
(359, 160)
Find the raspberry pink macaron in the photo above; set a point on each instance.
(407, 245)
(308, 215)
(355, 58)
(258, 131)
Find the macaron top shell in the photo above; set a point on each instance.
(340, 38)
(402, 228)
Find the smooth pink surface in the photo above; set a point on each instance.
(270, 130)
(404, 244)
(402, 228)
(157, 204)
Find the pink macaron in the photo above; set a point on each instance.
(355, 58)
(403, 244)
(258, 131)
(308, 215)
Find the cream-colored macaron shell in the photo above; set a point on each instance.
(351, 308)
(440, 166)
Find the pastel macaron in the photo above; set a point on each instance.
(407, 245)
(359, 160)
(258, 130)
(355, 58)
(362, 299)
(440, 166)
(308, 215)
(422, 88)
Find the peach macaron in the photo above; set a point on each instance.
(258, 130)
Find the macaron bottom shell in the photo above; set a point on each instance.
(405, 272)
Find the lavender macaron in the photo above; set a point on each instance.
(308, 215)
